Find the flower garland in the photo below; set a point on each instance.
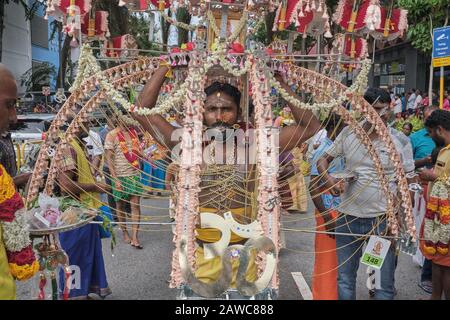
(437, 219)
(21, 259)
(228, 66)
(358, 87)
(130, 155)
(140, 69)
(353, 94)
(16, 237)
(89, 66)
(177, 98)
(187, 209)
(126, 120)
(267, 158)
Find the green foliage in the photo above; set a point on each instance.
(260, 34)
(183, 15)
(416, 122)
(422, 16)
(34, 78)
(67, 202)
(138, 25)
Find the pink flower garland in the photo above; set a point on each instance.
(78, 96)
(324, 87)
(187, 211)
(267, 159)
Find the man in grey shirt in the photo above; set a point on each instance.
(363, 203)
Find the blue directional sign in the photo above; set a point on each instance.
(441, 47)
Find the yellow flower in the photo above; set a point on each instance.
(429, 250)
(25, 272)
(7, 188)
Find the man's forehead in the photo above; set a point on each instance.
(8, 86)
(219, 98)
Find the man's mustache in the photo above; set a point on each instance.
(220, 124)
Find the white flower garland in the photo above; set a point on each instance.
(16, 236)
(357, 87)
(88, 66)
(297, 103)
(360, 84)
(127, 120)
(228, 66)
(166, 105)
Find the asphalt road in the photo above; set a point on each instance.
(143, 274)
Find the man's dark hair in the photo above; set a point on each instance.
(439, 118)
(373, 95)
(251, 108)
(409, 125)
(332, 122)
(230, 90)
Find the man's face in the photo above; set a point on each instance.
(8, 98)
(407, 130)
(437, 135)
(383, 110)
(220, 111)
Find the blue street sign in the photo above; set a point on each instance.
(441, 42)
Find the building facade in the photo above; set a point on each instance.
(43, 49)
(400, 67)
(16, 41)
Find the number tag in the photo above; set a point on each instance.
(375, 252)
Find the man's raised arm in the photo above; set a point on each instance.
(307, 124)
(156, 125)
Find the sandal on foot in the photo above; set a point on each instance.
(137, 246)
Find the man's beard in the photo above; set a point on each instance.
(222, 131)
(440, 142)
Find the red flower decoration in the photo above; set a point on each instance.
(269, 51)
(175, 50)
(190, 46)
(9, 207)
(23, 257)
(236, 47)
(156, 3)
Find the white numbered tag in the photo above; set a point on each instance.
(375, 252)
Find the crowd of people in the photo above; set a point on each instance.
(414, 101)
(343, 210)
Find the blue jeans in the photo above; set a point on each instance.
(349, 251)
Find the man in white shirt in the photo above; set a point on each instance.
(418, 101)
(411, 101)
(363, 205)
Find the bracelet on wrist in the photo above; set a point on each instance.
(169, 73)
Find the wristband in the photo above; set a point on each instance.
(169, 74)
